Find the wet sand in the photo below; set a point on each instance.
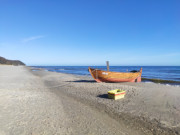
(40, 102)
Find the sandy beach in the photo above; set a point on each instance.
(38, 102)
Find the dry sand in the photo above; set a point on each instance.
(48, 103)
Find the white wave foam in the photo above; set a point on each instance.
(61, 69)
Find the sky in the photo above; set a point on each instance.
(90, 32)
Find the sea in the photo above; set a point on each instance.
(157, 74)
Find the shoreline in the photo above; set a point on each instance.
(144, 80)
(161, 81)
(41, 102)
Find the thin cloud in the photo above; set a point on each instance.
(31, 38)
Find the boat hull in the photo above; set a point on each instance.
(106, 76)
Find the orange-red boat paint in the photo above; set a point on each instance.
(107, 76)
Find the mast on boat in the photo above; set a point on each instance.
(107, 63)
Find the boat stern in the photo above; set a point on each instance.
(93, 74)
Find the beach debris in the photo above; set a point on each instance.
(116, 94)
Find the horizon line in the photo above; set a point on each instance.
(110, 66)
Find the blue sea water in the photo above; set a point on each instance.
(151, 72)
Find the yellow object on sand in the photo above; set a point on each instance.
(116, 94)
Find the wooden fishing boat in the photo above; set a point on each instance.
(107, 76)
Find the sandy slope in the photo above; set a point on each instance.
(27, 107)
(40, 102)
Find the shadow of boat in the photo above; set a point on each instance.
(86, 81)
